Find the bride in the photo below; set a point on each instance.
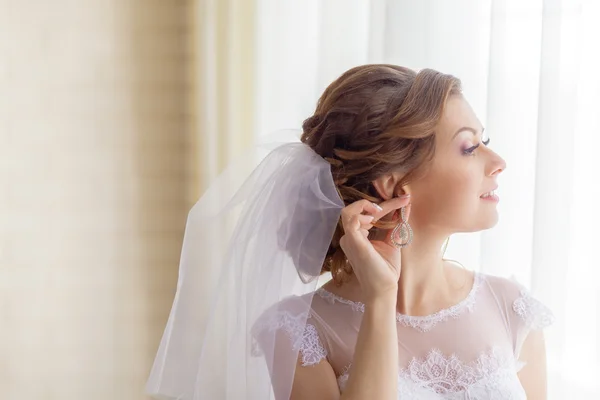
(390, 165)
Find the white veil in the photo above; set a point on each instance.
(258, 235)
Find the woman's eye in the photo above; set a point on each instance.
(470, 150)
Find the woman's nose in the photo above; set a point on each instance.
(497, 165)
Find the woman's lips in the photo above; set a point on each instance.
(493, 198)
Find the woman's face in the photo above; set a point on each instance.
(448, 198)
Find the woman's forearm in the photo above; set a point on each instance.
(374, 373)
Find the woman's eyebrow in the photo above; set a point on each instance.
(467, 128)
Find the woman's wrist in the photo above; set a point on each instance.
(385, 298)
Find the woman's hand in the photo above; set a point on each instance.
(376, 263)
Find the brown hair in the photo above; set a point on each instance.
(372, 120)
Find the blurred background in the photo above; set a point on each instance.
(116, 115)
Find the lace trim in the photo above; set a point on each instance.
(449, 374)
(535, 314)
(444, 374)
(312, 350)
(304, 336)
(332, 298)
(343, 378)
(421, 323)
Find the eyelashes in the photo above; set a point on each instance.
(470, 150)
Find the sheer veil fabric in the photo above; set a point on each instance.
(254, 244)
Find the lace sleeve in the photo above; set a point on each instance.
(302, 335)
(310, 347)
(532, 312)
(527, 314)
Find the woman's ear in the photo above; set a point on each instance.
(399, 191)
(388, 186)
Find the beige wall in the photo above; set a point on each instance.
(94, 161)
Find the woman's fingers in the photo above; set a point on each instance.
(360, 216)
(358, 221)
(357, 209)
(376, 210)
(392, 205)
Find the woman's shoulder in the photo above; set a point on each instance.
(519, 301)
(289, 307)
(289, 325)
(509, 287)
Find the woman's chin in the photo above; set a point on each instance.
(491, 221)
(485, 223)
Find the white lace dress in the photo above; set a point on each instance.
(468, 351)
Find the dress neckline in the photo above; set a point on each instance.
(419, 322)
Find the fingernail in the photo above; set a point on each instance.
(377, 206)
(405, 196)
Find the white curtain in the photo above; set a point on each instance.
(223, 69)
(530, 70)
